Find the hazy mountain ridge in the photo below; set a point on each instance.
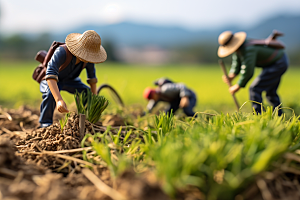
(132, 34)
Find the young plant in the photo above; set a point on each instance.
(80, 100)
(164, 122)
(91, 105)
(63, 121)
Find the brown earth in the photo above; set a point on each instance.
(45, 164)
(26, 172)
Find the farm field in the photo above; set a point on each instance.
(18, 88)
(220, 155)
(214, 157)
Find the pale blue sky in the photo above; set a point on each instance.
(41, 16)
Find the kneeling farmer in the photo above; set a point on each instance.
(248, 54)
(84, 50)
(176, 94)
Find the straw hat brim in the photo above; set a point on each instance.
(237, 40)
(76, 47)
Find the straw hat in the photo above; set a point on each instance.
(86, 46)
(230, 42)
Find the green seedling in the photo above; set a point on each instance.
(64, 121)
(164, 122)
(91, 105)
(220, 155)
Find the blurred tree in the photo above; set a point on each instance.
(42, 42)
(23, 47)
(13, 47)
(19, 47)
(196, 53)
(110, 49)
(294, 57)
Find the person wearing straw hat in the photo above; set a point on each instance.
(86, 50)
(176, 94)
(245, 57)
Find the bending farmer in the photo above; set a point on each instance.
(85, 50)
(176, 94)
(248, 54)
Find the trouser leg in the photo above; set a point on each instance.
(189, 110)
(271, 92)
(255, 95)
(48, 104)
(273, 97)
(268, 81)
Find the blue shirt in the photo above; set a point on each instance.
(72, 71)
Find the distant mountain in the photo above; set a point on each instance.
(132, 34)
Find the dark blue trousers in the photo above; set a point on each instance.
(268, 81)
(48, 104)
(174, 105)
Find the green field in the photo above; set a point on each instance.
(17, 87)
(219, 154)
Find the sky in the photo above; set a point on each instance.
(37, 16)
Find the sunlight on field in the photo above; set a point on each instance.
(17, 86)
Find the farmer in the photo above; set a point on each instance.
(245, 57)
(176, 94)
(86, 50)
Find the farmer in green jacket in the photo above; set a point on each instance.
(246, 55)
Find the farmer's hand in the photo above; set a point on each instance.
(233, 89)
(61, 106)
(184, 102)
(230, 78)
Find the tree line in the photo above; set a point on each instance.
(23, 47)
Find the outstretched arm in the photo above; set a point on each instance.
(60, 104)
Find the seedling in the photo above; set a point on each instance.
(91, 105)
(164, 122)
(64, 121)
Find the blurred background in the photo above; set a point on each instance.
(144, 33)
(155, 32)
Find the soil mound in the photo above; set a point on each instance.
(54, 137)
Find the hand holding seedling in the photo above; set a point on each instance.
(184, 102)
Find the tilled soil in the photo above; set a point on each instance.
(28, 173)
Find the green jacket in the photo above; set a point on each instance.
(247, 57)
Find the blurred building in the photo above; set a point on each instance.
(144, 55)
